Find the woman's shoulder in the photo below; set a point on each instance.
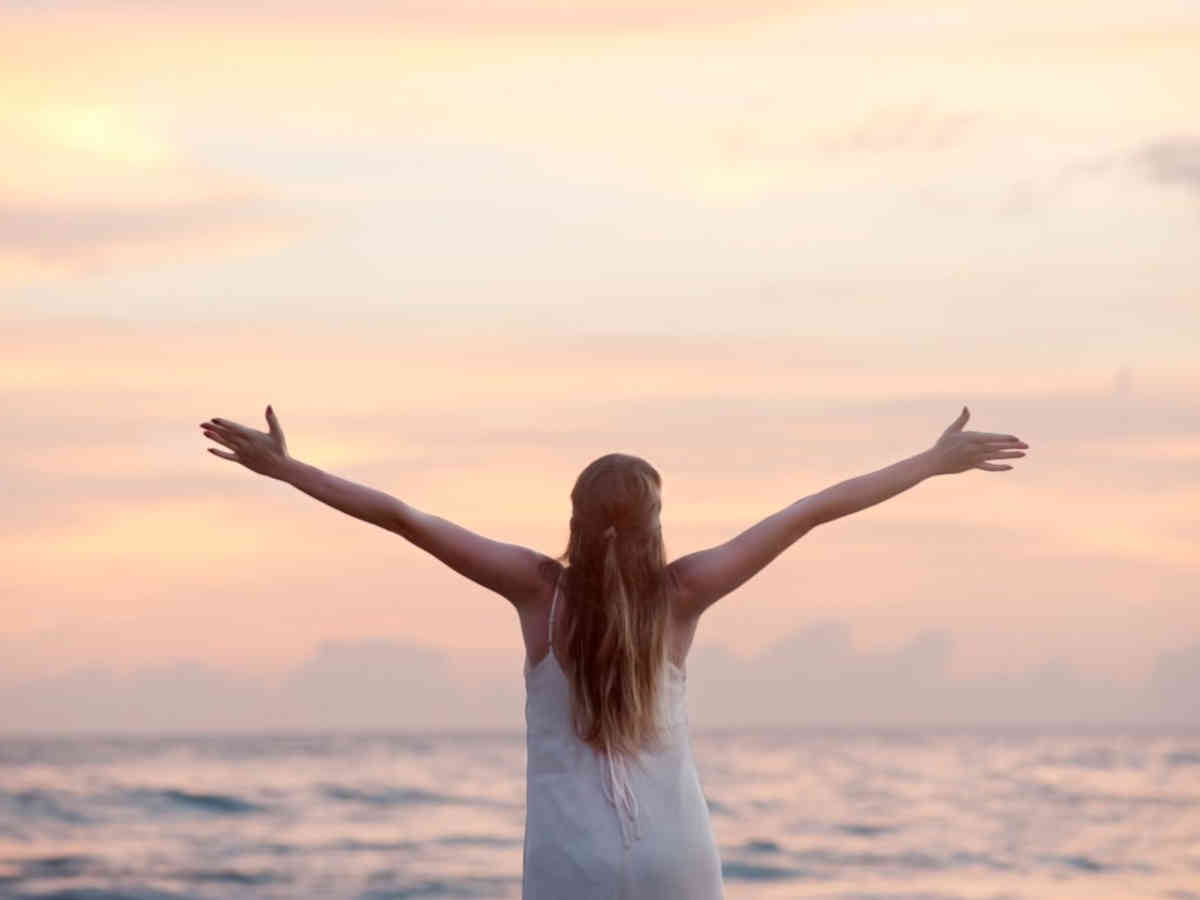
(549, 571)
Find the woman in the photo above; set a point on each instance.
(614, 805)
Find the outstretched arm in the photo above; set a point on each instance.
(508, 569)
(706, 576)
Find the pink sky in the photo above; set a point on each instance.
(768, 247)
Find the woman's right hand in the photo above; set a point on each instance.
(957, 450)
(264, 452)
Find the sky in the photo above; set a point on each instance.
(464, 249)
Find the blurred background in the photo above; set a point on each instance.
(463, 249)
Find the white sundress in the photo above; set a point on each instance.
(598, 829)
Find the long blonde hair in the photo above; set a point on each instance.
(616, 581)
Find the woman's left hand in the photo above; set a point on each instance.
(264, 452)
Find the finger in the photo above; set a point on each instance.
(234, 427)
(208, 427)
(215, 452)
(958, 423)
(1004, 454)
(212, 425)
(992, 436)
(273, 424)
(992, 467)
(221, 438)
(230, 435)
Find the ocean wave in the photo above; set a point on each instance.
(859, 829)
(760, 846)
(437, 887)
(64, 866)
(716, 808)
(733, 870)
(386, 796)
(909, 860)
(90, 893)
(1183, 758)
(42, 804)
(478, 840)
(35, 805)
(172, 799)
(232, 876)
(354, 845)
(1086, 863)
(821, 860)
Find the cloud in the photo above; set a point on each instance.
(102, 189)
(812, 677)
(460, 15)
(1168, 160)
(368, 684)
(914, 126)
(1173, 160)
(1174, 685)
(815, 676)
(375, 682)
(87, 238)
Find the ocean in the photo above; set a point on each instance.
(921, 814)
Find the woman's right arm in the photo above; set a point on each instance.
(513, 571)
(704, 577)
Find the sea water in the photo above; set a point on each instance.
(817, 813)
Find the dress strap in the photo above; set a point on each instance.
(553, 601)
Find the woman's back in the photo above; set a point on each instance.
(598, 828)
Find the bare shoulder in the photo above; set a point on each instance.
(683, 621)
(549, 571)
(673, 585)
(535, 607)
(544, 571)
(684, 606)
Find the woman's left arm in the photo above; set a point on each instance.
(508, 569)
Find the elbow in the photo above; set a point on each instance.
(810, 512)
(400, 520)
